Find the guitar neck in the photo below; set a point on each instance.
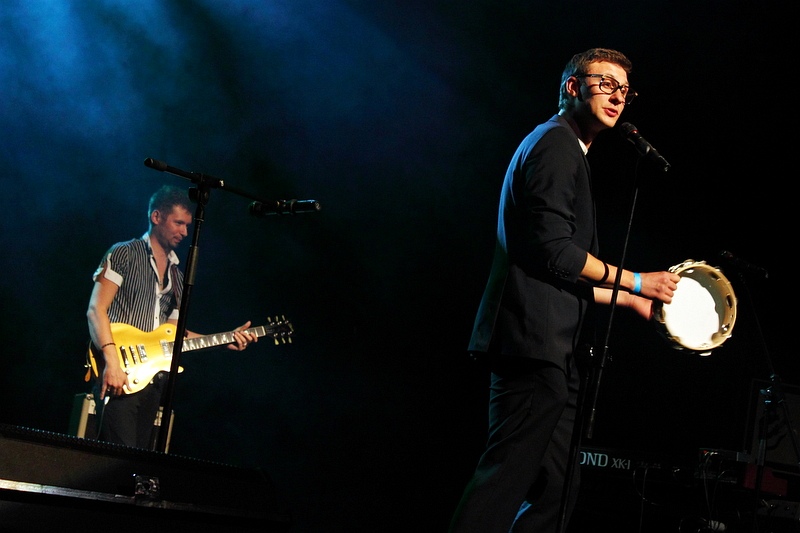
(217, 339)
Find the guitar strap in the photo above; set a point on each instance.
(90, 364)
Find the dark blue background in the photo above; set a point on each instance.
(400, 118)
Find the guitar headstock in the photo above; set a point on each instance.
(280, 330)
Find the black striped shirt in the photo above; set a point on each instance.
(141, 301)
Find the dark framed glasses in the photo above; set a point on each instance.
(609, 85)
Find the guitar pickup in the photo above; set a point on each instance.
(134, 355)
(125, 359)
(142, 351)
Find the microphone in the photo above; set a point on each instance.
(155, 164)
(281, 207)
(742, 265)
(630, 132)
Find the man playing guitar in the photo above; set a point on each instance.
(138, 283)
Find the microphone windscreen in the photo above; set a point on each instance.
(626, 128)
(155, 164)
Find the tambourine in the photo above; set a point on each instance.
(702, 312)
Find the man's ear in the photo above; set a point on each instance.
(155, 216)
(573, 86)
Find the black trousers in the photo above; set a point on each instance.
(519, 481)
(130, 419)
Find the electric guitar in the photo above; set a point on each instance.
(144, 354)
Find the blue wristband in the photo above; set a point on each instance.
(637, 283)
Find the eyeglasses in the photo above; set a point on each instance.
(610, 86)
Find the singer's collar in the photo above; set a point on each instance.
(171, 256)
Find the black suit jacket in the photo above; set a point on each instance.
(533, 306)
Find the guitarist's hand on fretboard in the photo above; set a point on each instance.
(243, 337)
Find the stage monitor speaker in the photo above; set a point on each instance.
(779, 451)
(50, 480)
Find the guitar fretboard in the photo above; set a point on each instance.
(209, 341)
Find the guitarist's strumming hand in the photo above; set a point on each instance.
(114, 379)
(243, 337)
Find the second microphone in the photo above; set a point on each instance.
(283, 207)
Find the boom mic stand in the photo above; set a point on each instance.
(200, 195)
(585, 416)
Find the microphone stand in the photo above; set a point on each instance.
(200, 195)
(586, 418)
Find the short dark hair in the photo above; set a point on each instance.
(166, 198)
(580, 63)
